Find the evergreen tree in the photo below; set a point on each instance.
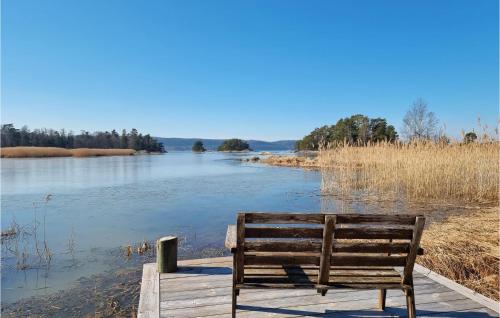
(234, 145)
(198, 146)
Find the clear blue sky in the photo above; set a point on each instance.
(250, 69)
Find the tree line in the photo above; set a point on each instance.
(355, 130)
(13, 137)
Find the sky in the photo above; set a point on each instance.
(260, 69)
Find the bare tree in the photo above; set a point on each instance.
(419, 122)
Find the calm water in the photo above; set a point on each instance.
(100, 204)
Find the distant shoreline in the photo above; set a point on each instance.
(49, 152)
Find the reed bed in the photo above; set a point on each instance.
(418, 171)
(465, 249)
(291, 161)
(41, 152)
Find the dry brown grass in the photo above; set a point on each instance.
(88, 152)
(419, 171)
(465, 249)
(291, 161)
(40, 152)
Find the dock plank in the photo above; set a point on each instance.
(149, 300)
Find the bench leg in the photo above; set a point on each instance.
(235, 292)
(322, 291)
(381, 298)
(410, 304)
(233, 308)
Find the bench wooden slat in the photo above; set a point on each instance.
(350, 260)
(294, 279)
(283, 246)
(375, 219)
(293, 271)
(392, 248)
(282, 259)
(373, 233)
(280, 271)
(276, 286)
(284, 218)
(283, 232)
(318, 286)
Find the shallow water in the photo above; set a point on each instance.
(96, 205)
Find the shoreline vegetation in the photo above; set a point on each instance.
(462, 247)
(291, 161)
(48, 152)
(465, 249)
(24, 137)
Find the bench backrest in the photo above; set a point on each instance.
(278, 239)
(374, 240)
(325, 240)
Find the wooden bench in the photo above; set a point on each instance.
(325, 251)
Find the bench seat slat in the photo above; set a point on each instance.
(297, 271)
(276, 286)
(312, 279)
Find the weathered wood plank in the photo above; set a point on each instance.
(375, 219)
(282, 258)
(284, 232)
(373, 233)
(412, 255)
(284, 218)
(311, 305)
(240, 243)
(208, 297)
(355, 260)
(392, 248)
(197, 285)
(192, 271)
(326, 249)
(149, 299)
(283, 246)
(481, 299)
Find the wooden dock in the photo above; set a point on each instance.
(202, 288)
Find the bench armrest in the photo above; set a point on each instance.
(231, 238)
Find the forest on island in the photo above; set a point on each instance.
(355, 130)
(14, 137)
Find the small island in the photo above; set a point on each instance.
(198, 146)
(234, 145)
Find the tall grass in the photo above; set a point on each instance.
(418, 171)
(39, 152)
(464, 248)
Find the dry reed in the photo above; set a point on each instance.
(291, 161)
(465, 249)
(40, 152)
(419, 171)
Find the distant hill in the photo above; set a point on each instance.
(185, 144)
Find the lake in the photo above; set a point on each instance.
(87, 209)
(76, 216)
